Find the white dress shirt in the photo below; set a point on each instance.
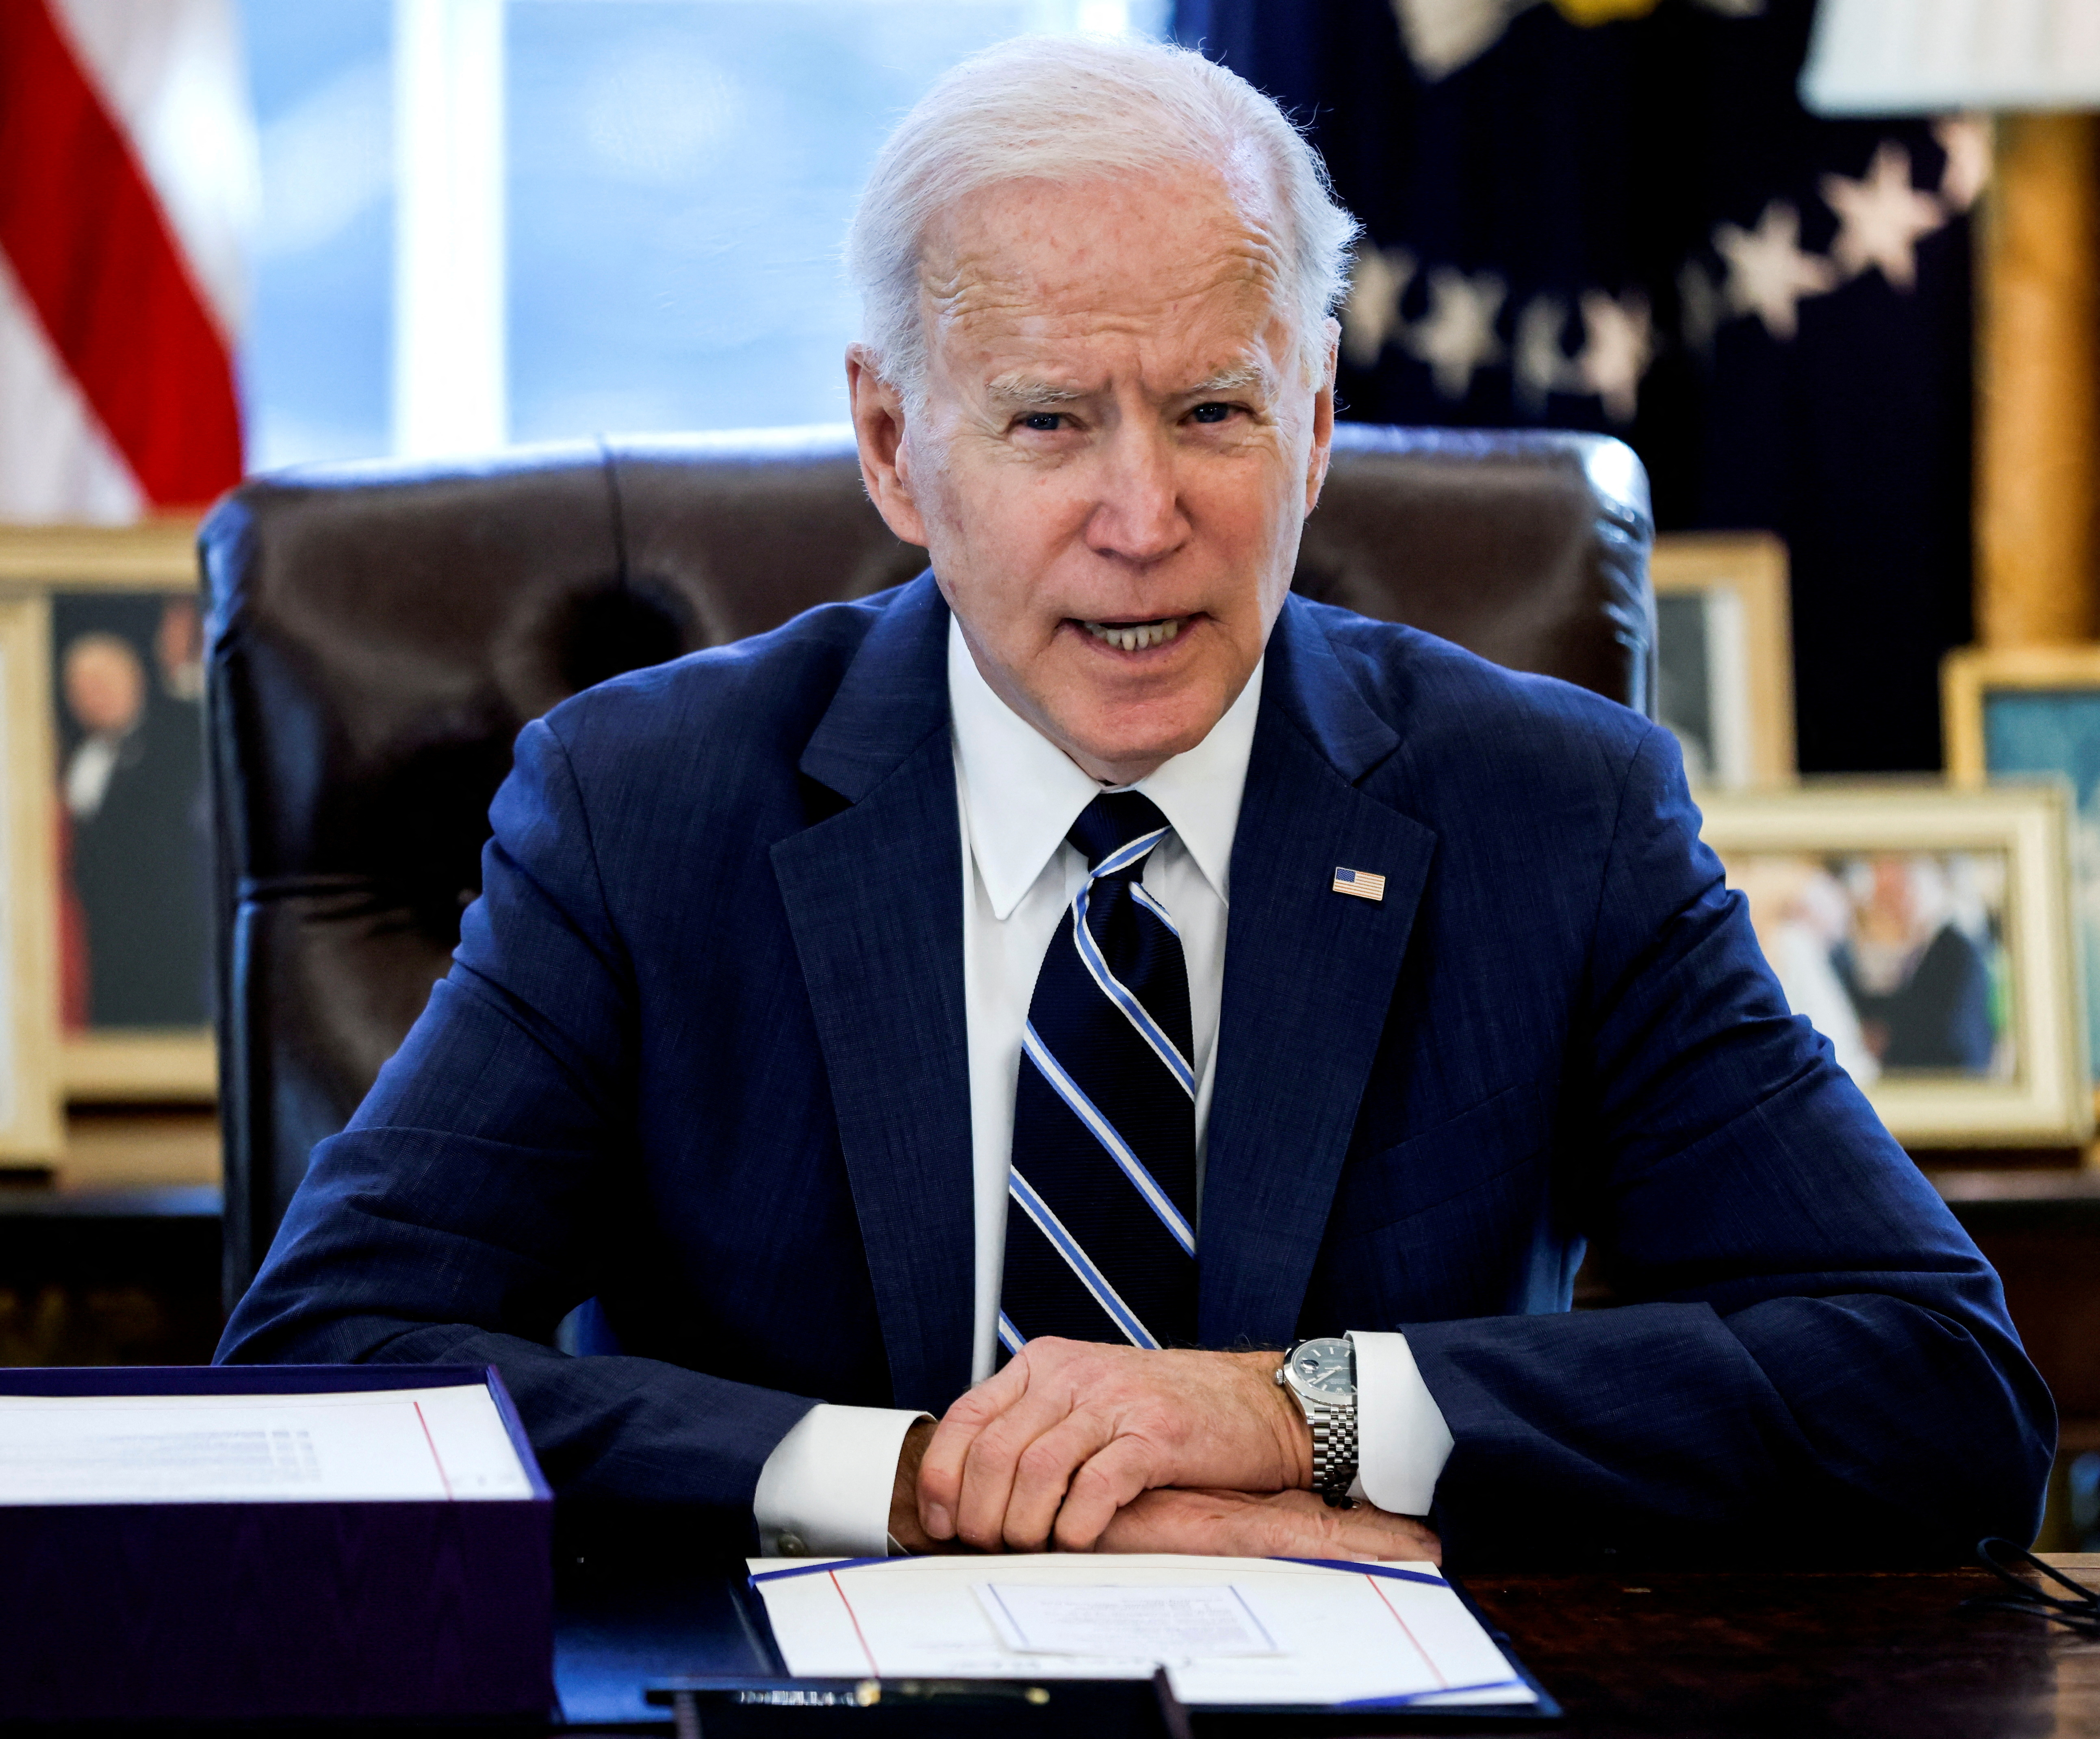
(827, 1486)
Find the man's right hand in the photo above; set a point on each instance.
(1272, 1524)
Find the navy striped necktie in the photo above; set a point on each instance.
(1101, 1240)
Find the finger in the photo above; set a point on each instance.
(1301, 1523)
(1166, 1519)
(1043, 1476)
(994, 1462)
(1376, 1533)
(1155, 1521)
(1286, 1525)
(1117, 1470)
(941, 1473)
(1298, 1524)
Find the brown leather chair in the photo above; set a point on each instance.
(378, 634)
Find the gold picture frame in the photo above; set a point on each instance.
(2065, 679)
(1740, 675)
(1816, 861)
(32, 1107)
(157, 1064)
(1970, 674)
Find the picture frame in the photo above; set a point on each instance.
(1926, 928)
(2024, 712)
(99, 573)
(31, 1101)
(1724, 654)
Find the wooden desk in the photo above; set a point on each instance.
(1705, 1655)
(1797, 1656)
(110, 1276)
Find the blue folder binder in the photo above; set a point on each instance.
(230, 1610)
(642, 1633)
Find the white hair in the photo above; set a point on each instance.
(1065, 110)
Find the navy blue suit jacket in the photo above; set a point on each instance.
(701, 1055)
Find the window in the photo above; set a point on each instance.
(540, 219)
(314, 359)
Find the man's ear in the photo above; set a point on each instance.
(1323, 416)
(878, 418)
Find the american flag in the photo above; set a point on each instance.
(1361, 882)
(127, 173)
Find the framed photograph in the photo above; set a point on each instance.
(2024, 712)
(1926, 930)
(124, 781)
(1724, 655)
(32, 1103)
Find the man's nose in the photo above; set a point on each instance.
(1137, 514)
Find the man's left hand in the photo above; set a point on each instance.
(1050, 1449)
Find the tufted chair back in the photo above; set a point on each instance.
(378, 634)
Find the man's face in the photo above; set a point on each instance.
(104, 685)
(1120, 441)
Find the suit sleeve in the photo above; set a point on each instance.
(1810, 1354)
(454, 1220)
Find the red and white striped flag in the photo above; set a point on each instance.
(127, 187)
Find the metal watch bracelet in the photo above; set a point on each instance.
(1333, 1453)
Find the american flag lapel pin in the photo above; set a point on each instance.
(1361, 882)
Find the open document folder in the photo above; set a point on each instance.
(270, 1544)
(1232, 1632)
(431, 1444)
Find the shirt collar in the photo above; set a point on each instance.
(1022, 792)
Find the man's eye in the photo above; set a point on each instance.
(1211, 412)
(1044, 422)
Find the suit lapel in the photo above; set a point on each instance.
(874, 898)
(1309, 977)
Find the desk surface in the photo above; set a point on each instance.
(1714, 1655)
(1796, 1655)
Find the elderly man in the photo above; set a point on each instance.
(850, 1011)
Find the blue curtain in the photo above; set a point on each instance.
(1635, 226)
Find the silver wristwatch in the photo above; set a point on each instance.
(1321, 1375)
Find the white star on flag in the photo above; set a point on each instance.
(1966, 140)
(1458, 336)
(1444, 35)
(1768, 274)
(1618, 346)
(1371, 315)
(1881, 218)
(1540, 365)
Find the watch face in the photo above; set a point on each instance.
(1325, 1367)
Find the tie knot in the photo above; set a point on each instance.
(1111, 821)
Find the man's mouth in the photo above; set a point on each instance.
(1135, 636)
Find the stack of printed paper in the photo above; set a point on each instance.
(1230, 1631)
(275, 1543)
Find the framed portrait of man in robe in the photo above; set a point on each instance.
(125, 677)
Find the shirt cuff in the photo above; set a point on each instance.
(1402, 1441)
(825, 1490)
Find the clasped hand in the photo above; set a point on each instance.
(1077, 1446)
